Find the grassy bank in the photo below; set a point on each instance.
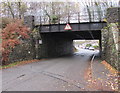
(18, 63)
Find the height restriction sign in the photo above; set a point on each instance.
(67, 27)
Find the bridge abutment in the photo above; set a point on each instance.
(110, 38)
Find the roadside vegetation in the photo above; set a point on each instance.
(18, 63)
(12, 35)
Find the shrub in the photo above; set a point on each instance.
(88, 45)
(96, 46)
(12, 35)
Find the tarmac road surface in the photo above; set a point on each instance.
(58, 74)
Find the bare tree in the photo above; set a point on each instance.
(96, 10)
(13, 9)
(55, 12)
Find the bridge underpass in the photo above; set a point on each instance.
(60, 74)
(58, 42)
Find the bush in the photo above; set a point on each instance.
(88, 45)
(96, 46)
(4, 21)
(12, 35)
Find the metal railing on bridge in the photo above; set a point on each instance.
(78, 22)
(69, 18)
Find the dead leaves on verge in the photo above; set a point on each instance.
(108, 84)
(20, 63)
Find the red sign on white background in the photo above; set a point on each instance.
(67, 27)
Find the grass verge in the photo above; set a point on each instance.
(18, 63)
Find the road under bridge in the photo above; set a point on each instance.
(56, 41)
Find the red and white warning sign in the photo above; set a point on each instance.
(67, 27)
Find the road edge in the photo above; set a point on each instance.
(21, 63)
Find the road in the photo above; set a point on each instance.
(58, 74)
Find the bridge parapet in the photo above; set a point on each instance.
(86, 26)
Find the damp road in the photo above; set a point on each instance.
(58, 74)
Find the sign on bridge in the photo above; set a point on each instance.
(67, 27)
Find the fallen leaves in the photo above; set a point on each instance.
(112, 77)
(113, 81)
(105, 84)
(109, 67)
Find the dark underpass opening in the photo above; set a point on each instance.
(66, 43)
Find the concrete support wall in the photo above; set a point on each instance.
(55, 46)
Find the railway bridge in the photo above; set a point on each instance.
(57, 38)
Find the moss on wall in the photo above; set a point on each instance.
(109, 49)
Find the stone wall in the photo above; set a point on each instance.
(24, 51)
(110, 38)
(29, 21)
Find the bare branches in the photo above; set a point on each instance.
(54, 12)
